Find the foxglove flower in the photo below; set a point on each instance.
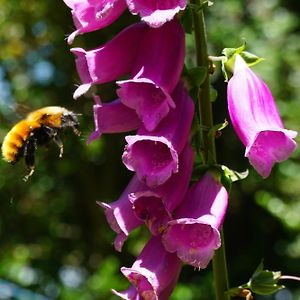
(155, 272)
(156, 12)
(113, 117)
(155, 206)
(154, 155)
(110, 61)
(90, 15)
(194, 232)
(256, 120)
(120, 215)
(156, 72)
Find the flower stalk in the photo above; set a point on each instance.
(207, 141)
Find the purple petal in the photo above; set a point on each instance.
(156, 12)
(154, 278)
(150, 208)
(129, 294)
(193, 241)
(256, 120)
(91, 15)
(268, 148)
(151, 102)
(194, 234)
(155, 207)
(120, 215)
(110, 61)
(155, 73)
(173, 190)
(154, 155)
(113, 117)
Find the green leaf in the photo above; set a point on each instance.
(213, 94)
(264, 282)
(197, 75)
(194, 93)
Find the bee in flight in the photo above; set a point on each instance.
(38, 128)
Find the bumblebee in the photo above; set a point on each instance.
(38, 128)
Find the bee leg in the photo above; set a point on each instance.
(76, 130)
(59, 143)
(29, 155)
(26, 177)
(53, 134)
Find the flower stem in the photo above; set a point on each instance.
(207, 140)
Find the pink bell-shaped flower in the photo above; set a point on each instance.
(154, 274)
(194, 232)
(154, 155)
(155, 73)
(256, 120)
(155, 207)
(109, 61)
(156, 12)
(113, 117)
(120, 215)
(90, 15)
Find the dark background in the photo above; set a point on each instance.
(54, 240)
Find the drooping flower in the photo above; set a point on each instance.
(110, 61)
(155, 207)
(256, 120)
(194, 232)
(90, 15)
(156, 12)
(155, 74)
(120, 215)
(113, 117)
(154, 155)
(155, 272)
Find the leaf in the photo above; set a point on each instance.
(264, 282)
(197, 75)
(213, 94)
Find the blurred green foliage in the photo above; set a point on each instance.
(54, 240)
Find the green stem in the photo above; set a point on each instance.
(208, 141)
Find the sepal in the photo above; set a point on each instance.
(262, 282)
(265, 282)
(229, 59)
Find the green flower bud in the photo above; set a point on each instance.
(264, 282)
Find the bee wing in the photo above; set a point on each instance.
(22, 110)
